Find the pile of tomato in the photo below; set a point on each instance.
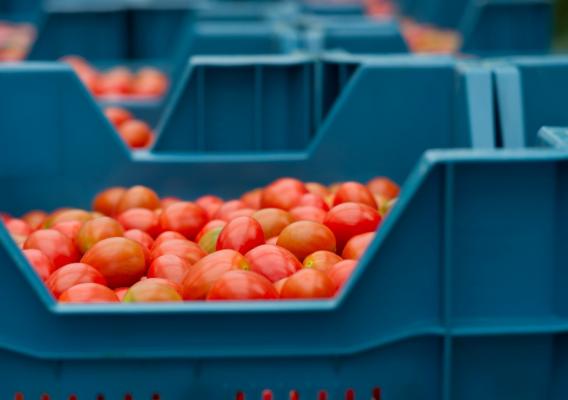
(147, 82)
(15, 40)
(288, 240)
(136, 134)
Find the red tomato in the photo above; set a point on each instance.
(208, 242)
(117, 115)
(272, 262)
(384, 187)
(88, 293)
(97, 229)
(210, 204)
(303, 238)
(71, 275)
(56, 246)
(67, 215)
(107, 201)
(140, 237)
(321, 260)
(284, 193)
(136, 134)
(121, 292)
(19, 240)
(310, 199)
(308, 213)
(142, 219)
(243, 212)
(40, 263)
(69, 228)
(18, 227)
(187, 250)
(116, 82)
(166, 236)
(214, 223)
(242, 285)
(340, 272)
(150, 82)
(208, 270)
(317, 189)
(138, 197)
(227, 208)
(350, 219)
(354, 192)
(184, 217)
(307, 284)
(152, 290)
(279, 284)
(357, 245)
(241, 234)
(35, 218)
(272, 240)
(252, 199)
(170, 267)
(168, 201)
(121, 261)
(272, 220)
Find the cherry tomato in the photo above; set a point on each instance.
(210, 204)
(88, 293)
(354, 192)
(142, 219)
(284, 193)
(140, 237)
(121, 292)
(279, 284)
(317, 189)
(384, 187)
(252, 199)
(107, 201)
(121, 261)
(208, 242)
(357, 245)
(166, 236)
(310, 199)
(35, 218)
(340, 272)
(56, 246)
(138, 197)
(168, 201)
(214, 223)
(321, 260)
(241, 234)
(170, 267)
(136, 134)
(272, 262)
(208, 270)
(152, 290)
(71, 275)
(307, 284)
(272, 220)
(97, 229)
(185, 249)
(40, 263)
(302, 238)
(242, 285)
(18, 227)
(184, 217)
(67, 215)
(117, 115)
(150, 82)
(69, 228)
(308, 213)
(243, 212)
(227, 208)
(350, 219)
(116, 82)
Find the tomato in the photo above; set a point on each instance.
(340, 272)
(19, 240)
(303, 238)
(152, 290)
(242, 285)
(310, 199)
(284, 193)
(117, 81)
(384, 187)
(357, 245)
(308, 213)
(150, 82)
(88, 293)
(333, 188)
(272, 262)
(71, 275)
(140, 237)
(170, 267)
(321, 260)
(187, 250)
(138, 197)
(166, 236)
(279, 284)
(107, 201)
(121, 292)
(184, 217)
(241, 234)
(252, 199)
(208, 242)
(142, 219)
(121, 261)
(67, 215)
(243, 212)
(214, 223)
(350, 219)
(210, 204)
(168, 201)
(56, 246)
(136, 134)
(40, 263)
(354, 192)
(307, 284)
(18, 227)
(272, 240)
(97, 229)
(208, 270)
(272, 220)
(317, 189)
(35, 218)
(227, 208)
(69, 228)
(117, 115)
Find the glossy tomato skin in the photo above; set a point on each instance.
(121, 261)
(140, 237)
(72, 274)
(226, 209)
(252, 199)
(169, 267)
(166, 236)
(67, 215)
(18, 227)
(340, 273)
(354, 192)
(40, 263)
(284, 193)
(308, 213)
(272, 240)
(208, 270)
(117, 115)
(310, 199)
(185, 217)
(210, 204)
(121, 292)
(107, 201)
(152, 290)
(243, 212)
(321, 260)
(272, 220)
(302, 238)
(88, 293)
(384, 187)
(69, 228)
(138, 197)
(242, 285)
(357, 245)
(35, 218)
(168, 201)
(214, 223)
(350, 219)
(136, 134)
(56, 246)
(97, 229)
(272, 262)
(279, 284)
(307, 284)
(317, 189)
(142, 219)
(208, 242)
(241, 234)
(189, 251)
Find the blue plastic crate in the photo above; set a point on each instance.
(20, 10)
